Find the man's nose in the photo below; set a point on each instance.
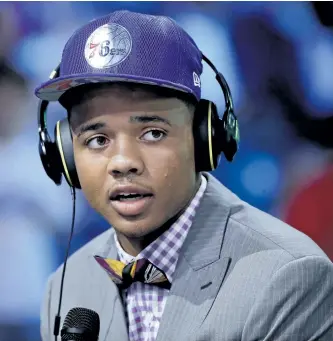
(126, 159)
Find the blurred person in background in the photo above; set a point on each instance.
(28, 223)
(308, 204)
(25, 249)
(271, 68)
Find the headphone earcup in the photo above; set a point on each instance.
(49, 156)
(206, 127)
(63, 138)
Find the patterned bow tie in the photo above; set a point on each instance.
(141, 270)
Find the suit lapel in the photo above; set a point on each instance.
(200, 270)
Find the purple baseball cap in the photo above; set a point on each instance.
(128, 47)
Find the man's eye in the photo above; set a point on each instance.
(154, 135)
(97, 142)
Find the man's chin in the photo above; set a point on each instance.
(137, 228)
(131, 227)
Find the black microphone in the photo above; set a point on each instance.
(80, 324)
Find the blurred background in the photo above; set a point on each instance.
(278, 60)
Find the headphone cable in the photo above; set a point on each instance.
(57, 318)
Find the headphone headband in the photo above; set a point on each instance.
(42, 109)
(42, 115)
(223, 84)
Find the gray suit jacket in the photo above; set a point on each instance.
(242, 275)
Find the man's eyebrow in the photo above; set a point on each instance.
(149, 118)
(89, 127)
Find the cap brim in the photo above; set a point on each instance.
(53, 89)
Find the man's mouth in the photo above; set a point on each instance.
(130, 196)
(131, 200)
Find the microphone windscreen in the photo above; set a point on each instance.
(81, 319)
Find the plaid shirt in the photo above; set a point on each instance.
(145, 303)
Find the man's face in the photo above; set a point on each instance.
(134, 155)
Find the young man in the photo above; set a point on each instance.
(218, 268)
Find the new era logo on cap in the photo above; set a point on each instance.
(196, 80)
(128, 47)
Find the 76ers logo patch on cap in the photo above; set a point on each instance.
(108, 46)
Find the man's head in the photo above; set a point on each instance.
(134, 135)
(132, 139)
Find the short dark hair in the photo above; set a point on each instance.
(78, 94)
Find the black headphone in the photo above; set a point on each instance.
(212, 136)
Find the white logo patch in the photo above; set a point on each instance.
(196, 80)
(108, 46)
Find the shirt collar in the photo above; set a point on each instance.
(164, 251)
